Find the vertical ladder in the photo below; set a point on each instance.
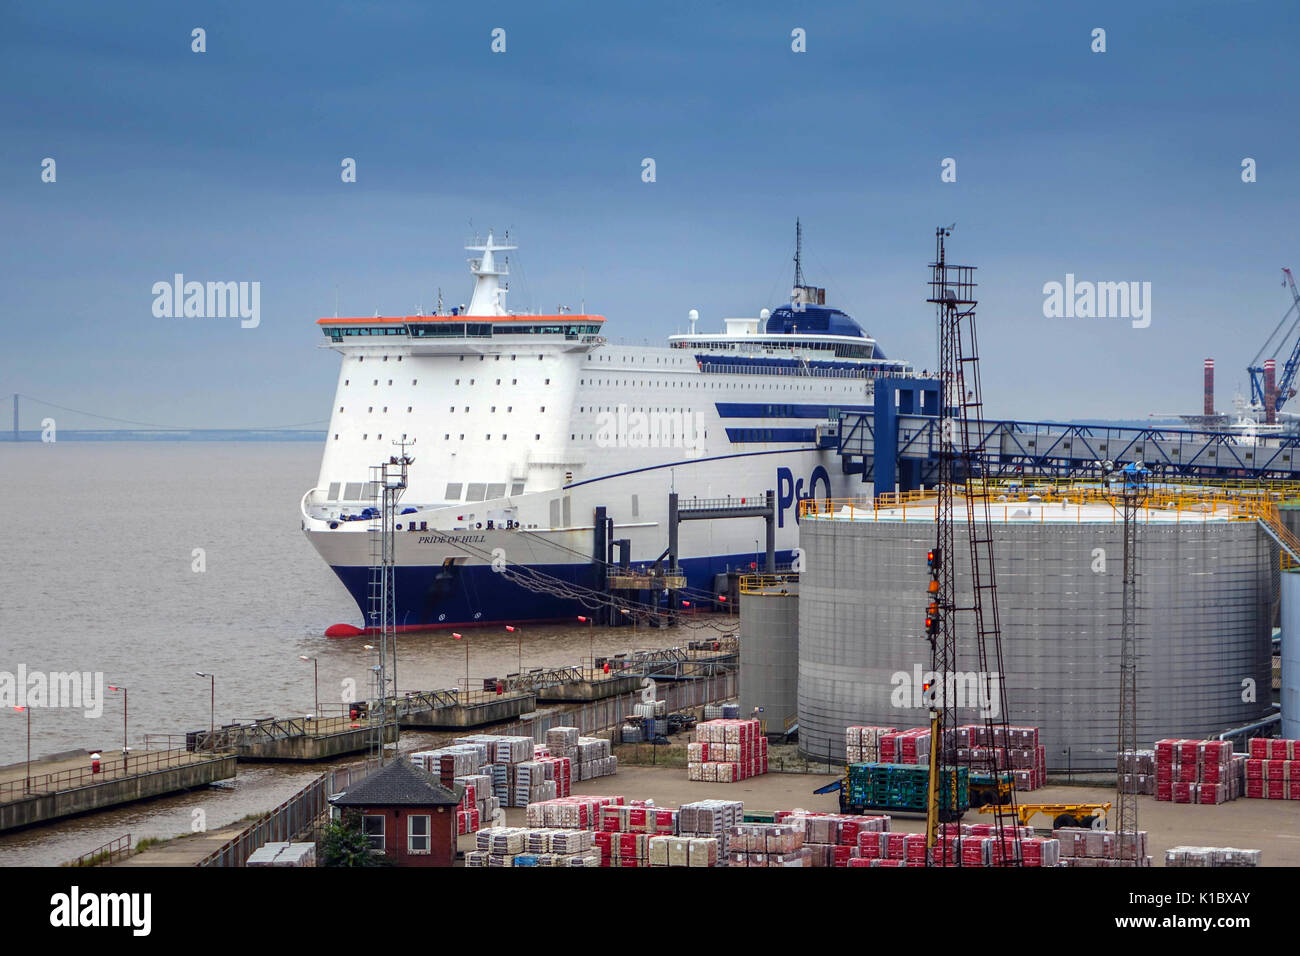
(962, 459)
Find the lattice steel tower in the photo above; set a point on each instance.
(1132, 482)
(962, 460)
(387, 483)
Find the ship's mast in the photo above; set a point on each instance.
(798, 253)
(490, 277)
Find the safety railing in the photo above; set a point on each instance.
(787, 583)
(1163, 502)
(295, 817)
(112, 851)
(605, 715)
(132, 765)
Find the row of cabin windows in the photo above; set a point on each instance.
(482, 491)
(416, 381)
(371, 408)
(651, 384)
(623, 358)
(493, 408)
(362, 358)
(457, 330)
(447, 437)
(590, 437)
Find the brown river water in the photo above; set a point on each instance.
(97, 575)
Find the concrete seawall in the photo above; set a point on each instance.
(43, 807)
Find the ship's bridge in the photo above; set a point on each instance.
(459, 330)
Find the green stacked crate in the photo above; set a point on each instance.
(904, 786)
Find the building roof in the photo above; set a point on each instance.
(399, 784)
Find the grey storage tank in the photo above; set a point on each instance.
(1205, 591)
(769, 647)
(1291, 654)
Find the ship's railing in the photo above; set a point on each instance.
(799, 371)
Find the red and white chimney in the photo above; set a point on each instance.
(1209, 387)
(1270, 391)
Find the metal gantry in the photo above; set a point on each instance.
(1132, 481)
(952, 290)
(387, 483)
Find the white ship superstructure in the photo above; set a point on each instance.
(521, 425)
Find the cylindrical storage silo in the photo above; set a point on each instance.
(1203, 624)
(1291, 654)
(769, 649)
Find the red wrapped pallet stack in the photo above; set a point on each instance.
(1273, 769)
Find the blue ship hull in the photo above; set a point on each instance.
(466, 596)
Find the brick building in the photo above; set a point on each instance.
(407, 813)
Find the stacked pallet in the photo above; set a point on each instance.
(710, 818)
(958, 845)
(468, 815)
(623, 850)
(528, 783)
(1136, 771)
(563, 742)
(862, 744)
(594, 758)
(725, 751)
(1199, 771)
(905, 746)
(638, 817)
(518, 846)
(766, 845)
(581, 812)
(832, 839)
(683, 851)
(461, 764)
(1273, 769)
(1210, 856)
(1004, 748)
(1081, 847)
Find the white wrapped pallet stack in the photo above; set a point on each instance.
(862, 744)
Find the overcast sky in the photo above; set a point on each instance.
(225, 166)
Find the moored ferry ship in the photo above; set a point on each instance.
(521, 425)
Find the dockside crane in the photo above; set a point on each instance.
(1285, 389)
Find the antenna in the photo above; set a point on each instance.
(336, 300)
(798, 252)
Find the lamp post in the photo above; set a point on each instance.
(315, 666)
(461, 637)
(27, 785)
(125, 749)
(515, 631)
(212, 705)
(591, 639)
